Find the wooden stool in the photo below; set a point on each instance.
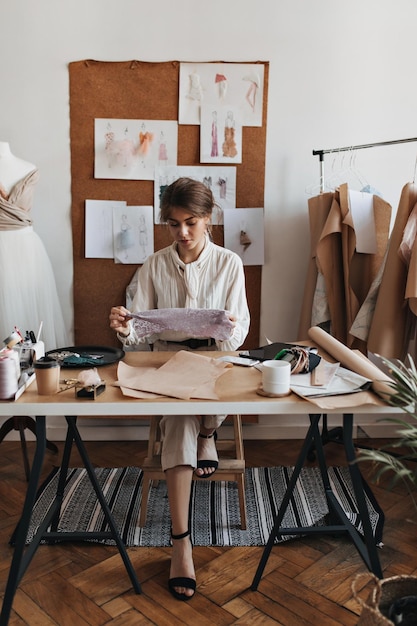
(230, 469)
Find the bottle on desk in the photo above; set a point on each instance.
(8, 375)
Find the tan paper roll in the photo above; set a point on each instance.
(358, 363)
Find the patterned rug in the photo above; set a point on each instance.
(214, 505)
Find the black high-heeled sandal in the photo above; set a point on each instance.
(181, 581)
(207, 463)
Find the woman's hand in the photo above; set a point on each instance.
(233, 320)
(119, 320)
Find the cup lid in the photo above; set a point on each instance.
(45, 363)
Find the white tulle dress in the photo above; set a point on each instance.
(28, 294)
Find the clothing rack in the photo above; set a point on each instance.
(321, 153)
(335, 435)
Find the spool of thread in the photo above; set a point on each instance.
(12, 340)
(16, 358)
(8, 379)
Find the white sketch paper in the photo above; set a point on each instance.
(221, 181)
(235, 85)
(99, 227)
(130, 149)
(133, 239)
(220, 134)
(244, 234)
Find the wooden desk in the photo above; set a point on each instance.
(237, 394)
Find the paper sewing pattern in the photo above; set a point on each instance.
(186, 375)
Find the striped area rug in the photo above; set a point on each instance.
(214, 505)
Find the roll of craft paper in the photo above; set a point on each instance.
(357, 362)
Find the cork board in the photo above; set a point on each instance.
(140, 90)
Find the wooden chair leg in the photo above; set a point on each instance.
(144, 504)
(242, 501)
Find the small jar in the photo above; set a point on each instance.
(47, 376)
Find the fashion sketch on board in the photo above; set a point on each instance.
(132, 234)
(221, 180)
(130, 149)
(223, 122)
(99, 227)
(234, 85)
(244, 234)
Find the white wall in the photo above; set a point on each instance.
(341, 73)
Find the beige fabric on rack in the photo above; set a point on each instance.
(360, 269)
(390, 329)
(318, 210)
(330, 263)
(348, 275)
(326, 259)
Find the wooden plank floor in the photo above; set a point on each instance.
(306, 581)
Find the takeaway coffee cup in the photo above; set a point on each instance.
(47, 376)
(276, 377)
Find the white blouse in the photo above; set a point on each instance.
(216, 280)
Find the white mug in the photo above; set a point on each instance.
(276, 377)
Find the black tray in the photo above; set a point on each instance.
(107, 355)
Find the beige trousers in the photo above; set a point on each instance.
(179, 432)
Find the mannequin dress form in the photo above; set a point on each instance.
(28, 294)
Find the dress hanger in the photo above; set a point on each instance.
(349, 174)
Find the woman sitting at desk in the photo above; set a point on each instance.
(192, 272)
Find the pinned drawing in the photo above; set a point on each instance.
(99, 227)
(221, 180)
(129, 149)
(132, 234)
(235, 85)
(224, 122)
(244, 234)
(114, 230)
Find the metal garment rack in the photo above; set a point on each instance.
(321, 153)
(335, 435)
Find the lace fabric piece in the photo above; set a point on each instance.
(194, 323)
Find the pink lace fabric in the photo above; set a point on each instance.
(194, 323)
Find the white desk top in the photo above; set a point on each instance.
(236, 390)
